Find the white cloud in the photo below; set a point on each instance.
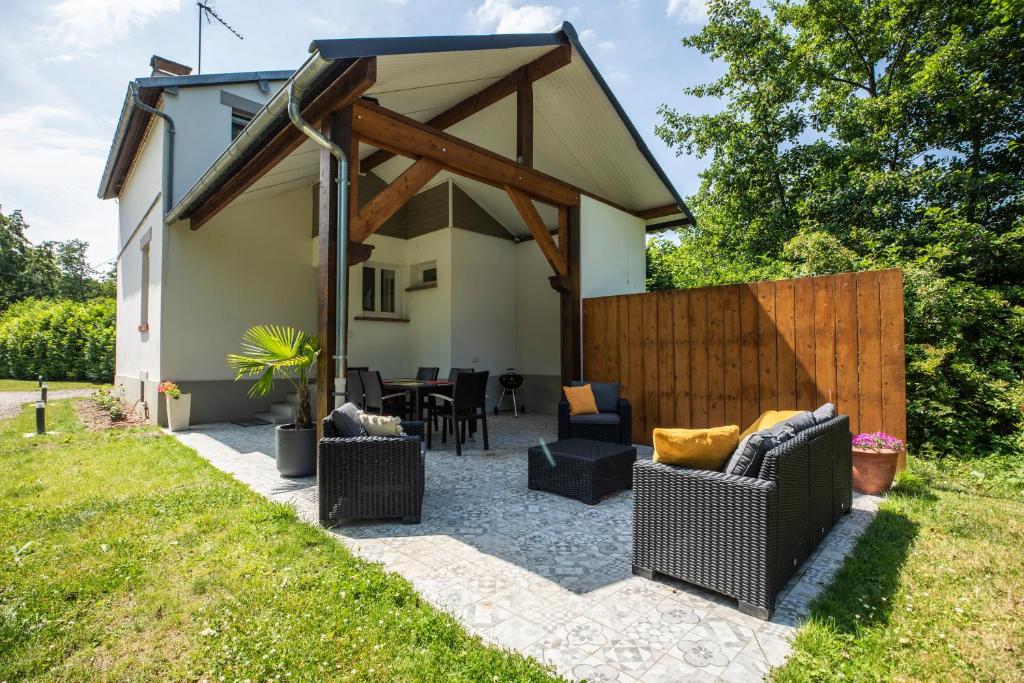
(81, 26)
(507, 16)
(52, 171)
(588, 36)
(689, 11)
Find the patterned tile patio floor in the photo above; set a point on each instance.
(546, 575)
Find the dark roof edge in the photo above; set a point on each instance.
(351, 48)
(574, 39)
(212, 79)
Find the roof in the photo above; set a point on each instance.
(132, 122)
(581, 133)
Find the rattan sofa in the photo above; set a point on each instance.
(739, 536)
(370, 477)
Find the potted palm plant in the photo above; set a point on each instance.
(271, 352)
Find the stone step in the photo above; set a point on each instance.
(284, 408)
(274, 418)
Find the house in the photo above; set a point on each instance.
(488, 184)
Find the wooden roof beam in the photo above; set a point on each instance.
(392, 198)
(389, 130)
(345, 90)
(528, 212)
(507, 85)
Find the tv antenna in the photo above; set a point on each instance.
(205, 11)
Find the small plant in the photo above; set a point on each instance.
(169, 389)
(111, 403)
(877, 441)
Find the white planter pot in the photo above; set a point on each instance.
(178, 410)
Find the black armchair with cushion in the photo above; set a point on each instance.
(368, 477)
(613, 422)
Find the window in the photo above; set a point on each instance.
(380, 290)
(239, 120)
(424, 274)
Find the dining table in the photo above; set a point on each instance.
(419, 388)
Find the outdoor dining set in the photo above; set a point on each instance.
(741, 528)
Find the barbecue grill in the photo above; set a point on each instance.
(510, 381)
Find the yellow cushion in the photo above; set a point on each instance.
(581, 400)
(769, 419)
(701, 449)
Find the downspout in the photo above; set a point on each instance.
(338, 153)
(168, 144)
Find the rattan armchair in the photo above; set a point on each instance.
(370, 477)
(741, 536)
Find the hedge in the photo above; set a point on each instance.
(59, 339)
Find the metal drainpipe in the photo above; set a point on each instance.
(338, 153)
(168, 144)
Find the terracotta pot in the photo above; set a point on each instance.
(874, 469)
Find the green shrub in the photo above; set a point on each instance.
(58, 339)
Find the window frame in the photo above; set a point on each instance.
(379, 290)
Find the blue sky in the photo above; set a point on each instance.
(65, 65)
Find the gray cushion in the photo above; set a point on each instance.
(606, 395)
(801, 422)
(824, 413)
(747, 458)
(595, 419)
(346, 421)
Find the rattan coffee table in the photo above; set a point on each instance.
(582, 469)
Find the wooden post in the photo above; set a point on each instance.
(568, 287)
(338, 127)
(524, 123)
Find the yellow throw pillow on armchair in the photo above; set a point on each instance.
(581, 400)
(769, 419)
(700, 449)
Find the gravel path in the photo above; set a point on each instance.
(11, 401)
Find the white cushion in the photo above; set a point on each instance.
(381, 425)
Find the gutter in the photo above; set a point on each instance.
(295, 114)
(168, 144)
(268, 116)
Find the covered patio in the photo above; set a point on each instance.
(546, 575)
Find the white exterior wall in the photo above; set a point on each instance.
(538, 318)
(483, 302)
(249, 265)
(430, 310)
(140, 217)
(613, 257)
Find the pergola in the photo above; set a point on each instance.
(344, 109)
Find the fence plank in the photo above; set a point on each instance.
(666, 362)
(825, 339)
(716, 357)
(720, 355)
(732, 390)
(785, 351)
(681, 324)
(869, 352)
(636, 365)
(894, 396)
(768, 390)
(749, 373)
(650, 332)
(846, 349)
(803, 323)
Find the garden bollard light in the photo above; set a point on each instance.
(40, 417)
(40, 381)
(42, 393)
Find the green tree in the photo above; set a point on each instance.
(875, 133)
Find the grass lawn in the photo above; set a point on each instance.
(33, 385)
(128, 557)
(934, 589)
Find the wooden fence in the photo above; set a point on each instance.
(722, 355)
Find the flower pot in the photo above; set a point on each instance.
(296, 451)
(178, 410)
(874, 469)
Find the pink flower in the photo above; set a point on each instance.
(877, 441)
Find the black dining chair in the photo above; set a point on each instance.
(467, 404)
(374, 400)
(430, 403)
(354, 387)
(427, 374)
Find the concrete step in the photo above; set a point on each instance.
(292, 398)
(274, 418)
(286, 409)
